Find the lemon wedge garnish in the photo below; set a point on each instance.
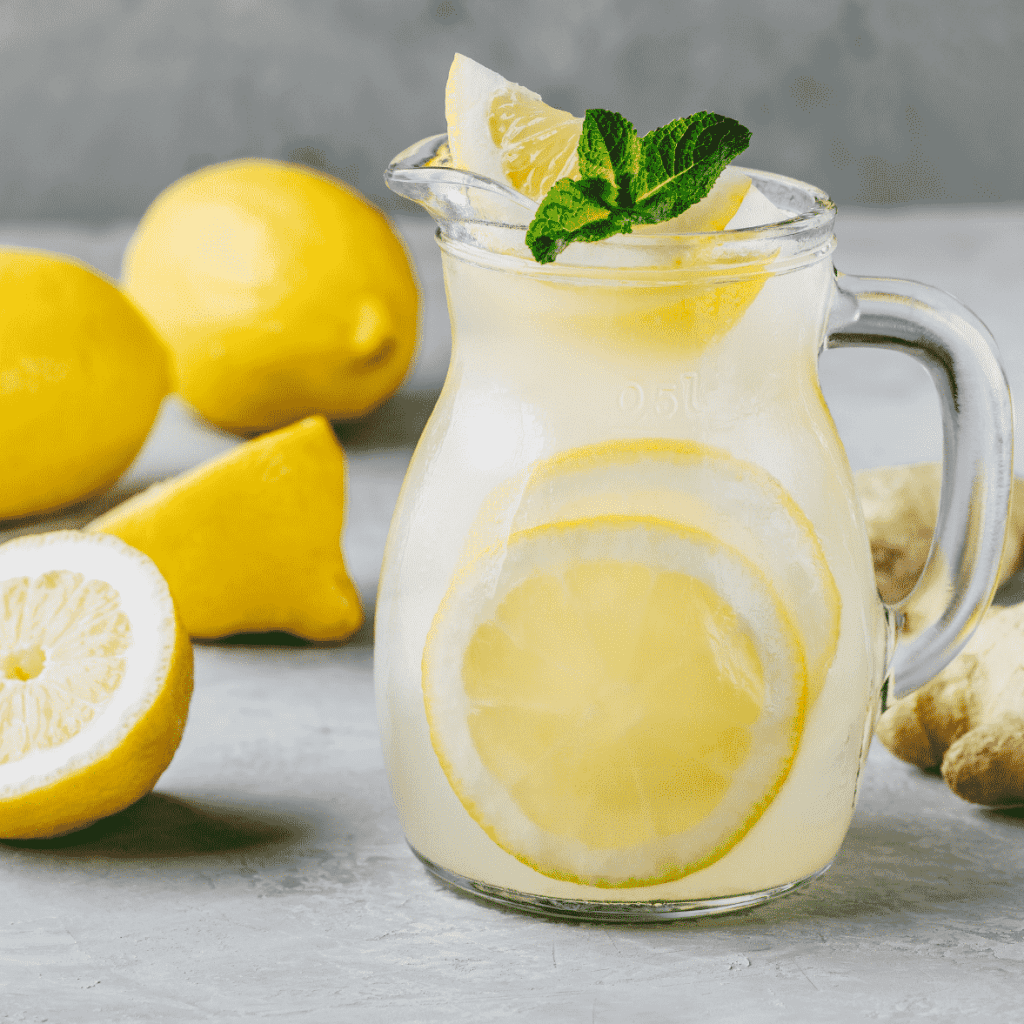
(95, 681)
(505, 132)
(712, 213)
(615, 700)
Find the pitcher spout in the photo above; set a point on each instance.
(455, 198)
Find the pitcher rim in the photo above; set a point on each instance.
(448, 194)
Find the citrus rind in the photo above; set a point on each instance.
(251, 541)
(82, 377)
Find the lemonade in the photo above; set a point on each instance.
(587, 399)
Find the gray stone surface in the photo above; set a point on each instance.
(266, 876)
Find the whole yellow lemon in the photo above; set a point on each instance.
(281, 292)
(82, 376)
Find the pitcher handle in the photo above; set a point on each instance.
(961, 573)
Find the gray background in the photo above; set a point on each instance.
(104, 102)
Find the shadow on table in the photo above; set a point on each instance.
(74, 517)
(890, 866)
(165, 826)
(890, 869)
(1011, 591)
(362, 637)
(397, 423)
(1012, 815)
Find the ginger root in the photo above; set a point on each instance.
(969, 720)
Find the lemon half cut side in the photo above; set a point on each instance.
(95, 681)
(615, 700)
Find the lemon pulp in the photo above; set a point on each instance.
(95, 681)
(505, 132)
(694, 484)
(537, 142)
(63, 640)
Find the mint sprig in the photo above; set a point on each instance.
(626, 180)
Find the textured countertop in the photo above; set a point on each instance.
(266, 877)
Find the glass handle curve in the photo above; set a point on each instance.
(961, 572)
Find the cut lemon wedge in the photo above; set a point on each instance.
(505, 132)
(95, 681)
(251, 540)
(615, 700)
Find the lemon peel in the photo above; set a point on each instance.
(82, 376)
(280, 291)
(251, 540)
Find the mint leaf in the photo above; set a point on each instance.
(569, 209)
(625, 180)
(608, 149)
(681, 161)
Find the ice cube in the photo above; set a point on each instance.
(756, 210)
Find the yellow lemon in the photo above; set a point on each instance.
(615, 700)
(281, 292)
(251, 541)
(95, 681)
(82, 376)
(505, 132)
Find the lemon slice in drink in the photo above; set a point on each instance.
(615, 700)
(505, 132)
(95, 681)
(696, 485)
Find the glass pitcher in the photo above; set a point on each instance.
(629, 648)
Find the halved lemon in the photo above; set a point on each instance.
(615, 700)
(505, 132)
(706, 488)
(95, 681)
